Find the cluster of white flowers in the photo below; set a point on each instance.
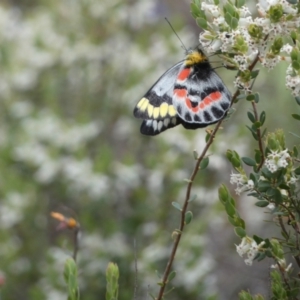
(254, 36)
(46, 132)
(276, 160)
(249, 247)
(243, 183)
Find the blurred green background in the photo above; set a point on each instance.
(71, 73)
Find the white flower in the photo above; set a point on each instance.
(249, 247)
(276, 160)
(242, 182)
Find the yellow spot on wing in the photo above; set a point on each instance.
(155, 112)
(144, 104)
(163, 109)
(172, 111)
(150, 110)
(141, 102)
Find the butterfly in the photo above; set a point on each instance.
(190, 93)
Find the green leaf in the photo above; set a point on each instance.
(204, 163)
(250, 97)
(230, 209)
(194, 197)
(177, 206)
(295, 151)
(256, 95)
(262, 203)
(258, 156)
(171, 276)
(223, 194)
(251, 117)
(297, 171)
(239, 3)
(249, 161)
(112, 285)
(202, 23)
(158, 274)
(296, 117)
(195, 11)
(239, 231)
(70, 275)
(228, 18)
(188, 217)
(262, 118)
(241, 96)
(207, 137)
(263, 185)
(234, 23)
(254, 74)
(261, 256)
(275, 195)
(297, 100)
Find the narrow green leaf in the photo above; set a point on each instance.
(202, 23)
(195, 11)
(275, 195)
(295, 151)
(204, 163)
(258, 156)
(297, 100)
(249, 161)
(194, 197)
(261, 256)
(234, 23)
(296, 117)
(254, 74)
(239, 231)
(228, 19)
(230, 209)
(262, 203)
(251, 117)
(188, 217)
(233, 221)
(195, 154)
(223, 194)
(171, 276)
(297, 171)
(239, 3)
(250, 97)
(241, 96)
(177, 206)
(207, 137)
(262, 118)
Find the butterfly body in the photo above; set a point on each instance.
(189, 93)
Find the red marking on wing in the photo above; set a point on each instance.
(208, 100)
(189, 105)
(180, 93)
(184, 74)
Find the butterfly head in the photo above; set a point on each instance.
(195, 56)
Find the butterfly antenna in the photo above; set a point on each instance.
(183, 46)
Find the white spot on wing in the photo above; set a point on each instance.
(166, 122)
(154, 125)
(159, 125)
